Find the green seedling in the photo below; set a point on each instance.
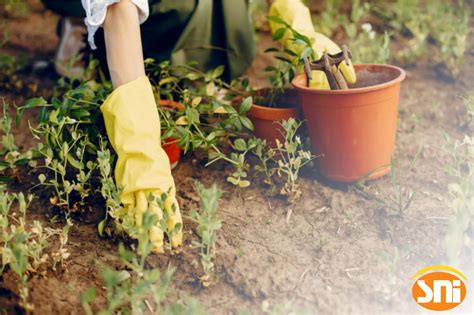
(237, 159)
(108, 189)
(208, 225)
(266, 158)
(290, 158)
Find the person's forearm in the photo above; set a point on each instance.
(123, 43)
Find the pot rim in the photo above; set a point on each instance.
(380, 86)
(271, 113)
(171, 103)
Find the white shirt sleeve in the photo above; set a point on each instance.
(96, 10)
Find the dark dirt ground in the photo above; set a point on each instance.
(339, 253)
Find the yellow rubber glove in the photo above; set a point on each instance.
(143, 168)
(297, 15)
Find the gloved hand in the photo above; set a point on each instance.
(143, 168)
(297, 15)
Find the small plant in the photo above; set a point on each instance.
(108, 190)
(288, 60)
(370, 47)
(290, 157)
(208, 225)
(265, 157)
(450, 27)
(461, 193)
(11, 157)
(237, 159)
(401, 196)
(10, 66)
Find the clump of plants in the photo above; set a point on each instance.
(138, 289)
(366, 44)
(24, 247)
(438, 30)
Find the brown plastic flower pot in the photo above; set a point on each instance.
(265, 118)
(171, 145)
(353, 131)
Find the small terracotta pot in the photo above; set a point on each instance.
(354, 130)
(265, 119)
(171, 145)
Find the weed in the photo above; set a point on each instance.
(208, 225)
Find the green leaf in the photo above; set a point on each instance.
(271, 49)
(246, 122)
(270, 69)
(75, 163)
(100, 227)
(42, 178)
(246, 105)
(193, 76)
(276, 19)
(244, 183)
(284, 59)
(34, 102)
(89, 295)
(279, 33)
(217, 72)
(53, 117)
(240, 145)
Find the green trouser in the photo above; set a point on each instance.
(211, 32)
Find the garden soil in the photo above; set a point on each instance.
(335, 251)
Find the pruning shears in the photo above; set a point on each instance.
(329, 64)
